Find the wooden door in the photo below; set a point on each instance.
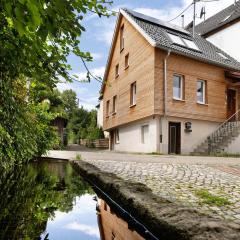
(174, 138)
(231, 102)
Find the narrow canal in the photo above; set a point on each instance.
(48, 200)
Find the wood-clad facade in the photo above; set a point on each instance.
(140, 70)
(147, 70)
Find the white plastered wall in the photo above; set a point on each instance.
(130, 139)
(228, 40)
(189, 140)
(234, 146)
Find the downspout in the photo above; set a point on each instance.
(165, 83)
(162, 120)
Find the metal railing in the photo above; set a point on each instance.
(223, 132)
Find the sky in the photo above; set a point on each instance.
(99, 32)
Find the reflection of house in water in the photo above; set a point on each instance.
(113, 227)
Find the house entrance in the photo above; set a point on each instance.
(231, 102)
(174, 138)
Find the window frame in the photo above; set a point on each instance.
(114, 105)
(182, 87)
(116, 136)
(204, 91)
(143, 137)
(126, 61)
(122, 38)
(117, 70)
(107, 108)
(133, 96)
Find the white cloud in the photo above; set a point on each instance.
(98, 72)
(96, 56)
(87, 229)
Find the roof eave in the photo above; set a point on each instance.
(198, 58)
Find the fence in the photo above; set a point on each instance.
(98, 143)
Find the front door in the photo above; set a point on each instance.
(174, 138)
(231, 102)
(111, 140)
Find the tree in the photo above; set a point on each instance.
(35, 38)
(69, 99)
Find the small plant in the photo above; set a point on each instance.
(78, 157)
(211, 199)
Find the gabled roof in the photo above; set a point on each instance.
(158, 34)
(219, 20)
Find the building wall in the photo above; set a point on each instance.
(234, 146)
(130, 136)
(228, 40)
(113, 227)
(192, 70)
(141, 70)
(189, 140)
(100, 114)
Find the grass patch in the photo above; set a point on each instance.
(154, 153)
(211, 199)
(78, 157)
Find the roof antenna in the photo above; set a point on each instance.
(182, 16)
(203, 13)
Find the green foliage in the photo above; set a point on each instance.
(211, 199)
(36, 38)
(78, 157)
(69, 100)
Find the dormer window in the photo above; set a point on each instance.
(122, 38)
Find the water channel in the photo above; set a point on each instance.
(48, 200)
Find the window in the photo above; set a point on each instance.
(190, 44)
(133, 94)
(178, 85)
(122, 38)
(108, 109)
(201, 91)
(144, 133)
(176, 39)
(127, 61)
(116, 136)
(183, 41)
(222, 56)
(117, 70)
(114, 104)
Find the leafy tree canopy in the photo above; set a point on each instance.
(36, 37)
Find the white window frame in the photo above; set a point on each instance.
(133, 94)
(116, 70)
(143, 137)
(181, 86)
(122, 38)
(126, 61)
(114, 106)
(108, 108)
(204, 92)
(116, 136)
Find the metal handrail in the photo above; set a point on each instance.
(212, 138)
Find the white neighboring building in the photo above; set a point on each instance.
(223, 30)
(100, 117)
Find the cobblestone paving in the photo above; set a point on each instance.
(181, 183)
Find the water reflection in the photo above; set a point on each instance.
(50, 201)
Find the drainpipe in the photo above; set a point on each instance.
(165, 82)
(164, 99)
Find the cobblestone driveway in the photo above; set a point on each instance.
(177, 178)
(181, 183)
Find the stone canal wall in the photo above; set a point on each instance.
(165, 219)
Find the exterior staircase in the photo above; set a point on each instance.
(220, 139)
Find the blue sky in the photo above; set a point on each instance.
(98, 36)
